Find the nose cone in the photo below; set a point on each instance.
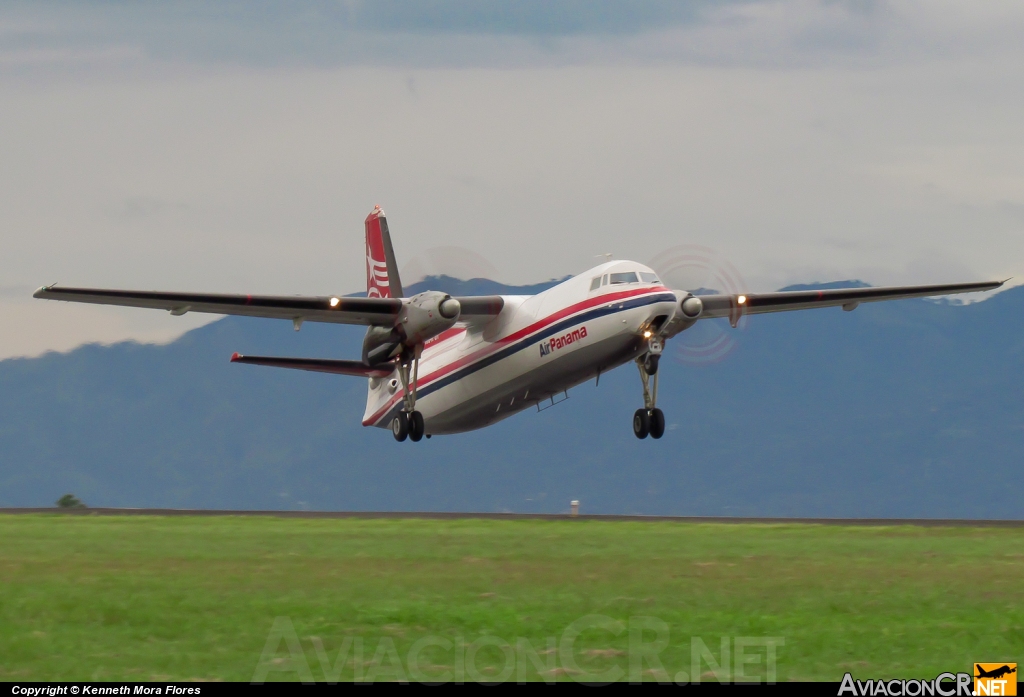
(692, 307)
(450, 308)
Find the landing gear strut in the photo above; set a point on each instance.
(650, 420)
(409, 422)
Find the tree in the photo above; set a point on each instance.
(69, 501)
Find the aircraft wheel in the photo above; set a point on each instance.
(416, 426)
(651, 363)
(400, 426)
(641, 423)
(657, 423)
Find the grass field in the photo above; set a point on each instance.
(147, 597)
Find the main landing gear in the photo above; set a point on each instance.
(649, 421)
(408, 423)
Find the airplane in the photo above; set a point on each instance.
(996, 673)
(438, 364)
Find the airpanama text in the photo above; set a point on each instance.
(558, 342)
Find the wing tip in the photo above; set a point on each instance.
(235, 357)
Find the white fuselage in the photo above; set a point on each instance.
(537, 347)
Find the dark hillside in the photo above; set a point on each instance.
(912, 408)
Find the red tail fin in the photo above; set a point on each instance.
(382, 279)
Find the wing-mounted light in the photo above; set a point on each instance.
(737, 310)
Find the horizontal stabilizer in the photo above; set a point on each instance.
(320, 365)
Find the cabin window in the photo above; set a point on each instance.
(595, 283)
(648, 277)
(627, 277)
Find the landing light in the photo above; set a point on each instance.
(647, 334)
(334, 302)
(742, 299)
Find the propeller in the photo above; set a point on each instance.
(702, 271)
(454, 262)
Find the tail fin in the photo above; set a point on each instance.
(382, 279)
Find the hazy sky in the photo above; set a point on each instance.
(237, 147)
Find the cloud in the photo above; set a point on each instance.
(461, 33)
(237, 147)
(521, 18)
(383, 32)
(56, 326)
(16, 292)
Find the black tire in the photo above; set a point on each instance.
(400, 426)
(651, 363)
(416, 426)
(657, 423)
(641, 423)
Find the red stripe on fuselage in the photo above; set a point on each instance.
(609, 299)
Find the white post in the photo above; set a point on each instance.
(575, 507)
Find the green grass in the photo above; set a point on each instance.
(146, 597)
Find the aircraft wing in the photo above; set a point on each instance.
(336, 309)
(733, 306)
(480, 305)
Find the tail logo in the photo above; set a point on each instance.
(376, 277)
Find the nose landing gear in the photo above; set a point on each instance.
(650, 420)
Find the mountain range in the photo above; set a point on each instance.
(913, 408)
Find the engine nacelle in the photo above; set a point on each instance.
(426, 315)
(689, 309)
(423, 316)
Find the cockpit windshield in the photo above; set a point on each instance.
(627, 277)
